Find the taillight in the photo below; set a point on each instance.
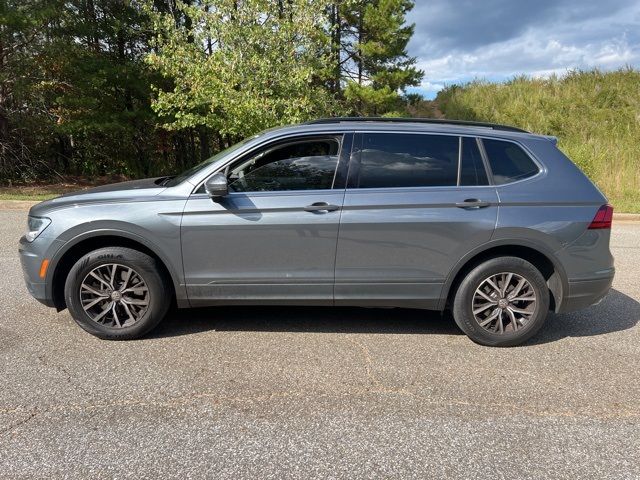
(603, 218)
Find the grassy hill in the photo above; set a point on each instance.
(595, 115)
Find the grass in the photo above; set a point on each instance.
(39, 191)
(595, 115)
(28, 197)
(36, 191)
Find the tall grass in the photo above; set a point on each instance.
(595, 115)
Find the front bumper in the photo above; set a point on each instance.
(584, 293)
(31, 256)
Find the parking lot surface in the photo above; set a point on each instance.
(319, 392)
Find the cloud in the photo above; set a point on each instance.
(497, 39)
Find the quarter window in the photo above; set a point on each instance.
(408, 160)
(472, 171)
(303, 165)
(508, 161)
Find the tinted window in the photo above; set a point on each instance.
(405, 160)
(304, 165)
(472, 170)
(508, 161)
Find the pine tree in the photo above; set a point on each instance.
(371, 66)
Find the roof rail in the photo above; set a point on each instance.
(437, 121)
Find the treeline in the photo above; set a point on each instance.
(140, 87)
(595, 115)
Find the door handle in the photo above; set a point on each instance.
(321, 207)
(472, 203)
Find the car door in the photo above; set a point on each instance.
(415, 204)
(273, 237)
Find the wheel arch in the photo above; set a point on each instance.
(537, 255)
(74, 249)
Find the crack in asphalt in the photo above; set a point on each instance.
(15, 426)
(42, 358)
(216, 399)
(380, 387)
(377, 387)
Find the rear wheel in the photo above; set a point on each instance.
(502, 302)
(117, 293)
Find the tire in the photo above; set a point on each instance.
(529, 306)
(92, 288)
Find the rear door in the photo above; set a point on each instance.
(273, 237)
(415, 204)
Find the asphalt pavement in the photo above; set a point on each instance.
(319, 392)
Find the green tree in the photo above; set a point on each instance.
(75, 91)
(99, 87)
(23, 27)
(238, 67)
(135, 87)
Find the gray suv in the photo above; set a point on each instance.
(488, 221)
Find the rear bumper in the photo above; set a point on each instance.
(584, 293)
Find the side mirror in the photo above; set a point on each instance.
(216, 185)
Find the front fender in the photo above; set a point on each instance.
(173, 267)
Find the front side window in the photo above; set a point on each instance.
(408, 160)
(508, 161)
(302, 165)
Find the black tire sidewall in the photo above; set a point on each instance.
(144, 265)
(463, 301)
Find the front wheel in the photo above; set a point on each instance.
(502, 302)
(117, 293)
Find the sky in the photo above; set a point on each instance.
(456, 41)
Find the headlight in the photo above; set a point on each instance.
(35, 227)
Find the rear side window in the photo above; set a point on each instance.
(472, 171)
(408, 160)
(508, 161)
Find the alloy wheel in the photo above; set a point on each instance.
(114, 295)
(504, 303)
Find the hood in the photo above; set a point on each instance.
(118, 187)
(134, 190)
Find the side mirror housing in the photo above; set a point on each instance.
(216, 185)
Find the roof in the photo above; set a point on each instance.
(433, 121)
(383, 124)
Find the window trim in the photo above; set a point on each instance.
(357, 147)
(344, 143)
(459, 176)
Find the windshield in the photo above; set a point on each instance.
(188, 173)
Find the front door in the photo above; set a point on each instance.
(414, 206)
(273, 237)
